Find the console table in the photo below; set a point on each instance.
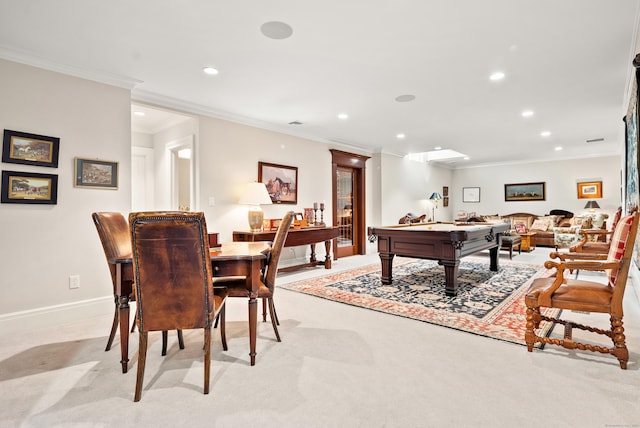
(297, 237)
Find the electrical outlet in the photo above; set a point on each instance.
(74, 281)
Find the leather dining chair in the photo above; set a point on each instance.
(173, 281)
(585, 296)
(237, 287)
(113, 230)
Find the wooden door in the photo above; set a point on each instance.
(349, 209)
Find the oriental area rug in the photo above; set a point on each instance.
(488, 303)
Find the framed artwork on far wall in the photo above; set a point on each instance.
(99, 174)
(281, 182)
(525, 192)
(29, 188)
(470, 194)
(30, 149)
(590, 190)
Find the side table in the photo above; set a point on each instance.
(528, 243)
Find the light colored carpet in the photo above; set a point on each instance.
(338, 366)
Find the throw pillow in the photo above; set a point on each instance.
(542, 225)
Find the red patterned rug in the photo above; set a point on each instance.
(488, 303)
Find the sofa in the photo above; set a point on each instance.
(542, 225)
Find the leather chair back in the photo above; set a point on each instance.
(113, 231)
(271, 270)
(172, 271)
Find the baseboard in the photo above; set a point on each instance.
(16, 322)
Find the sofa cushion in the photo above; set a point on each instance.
(585, 222)
(526, 221)
(540, 225)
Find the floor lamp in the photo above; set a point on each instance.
(435, 197)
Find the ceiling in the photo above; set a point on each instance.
(568, 61)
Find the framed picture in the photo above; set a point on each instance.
(281, 182)
(29, 188)
(520, 228)
(30, 149)
(445, 190)
(96, 173)
(590, 189)
(524, 192)
(445, 201)
(470, 194)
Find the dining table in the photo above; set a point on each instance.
(243, 259)
(238, 259)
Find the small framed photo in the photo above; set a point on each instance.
(445, 190)
(445, 201)
(96, 173)
(29, 188)
(470, 194)
(520, 228)
(30, 149)
(281, 182)
(590, 190)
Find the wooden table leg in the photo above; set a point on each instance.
(450, 276)
(387, 267)
(253, 327)
(327, 259)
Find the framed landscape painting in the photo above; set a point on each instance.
(590, 190)
(96, 173)
(29, 188)
(30, 149)
(524, 192)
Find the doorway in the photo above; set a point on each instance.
(349, 209)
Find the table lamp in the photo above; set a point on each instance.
(255, 194)
(592, 206)
(435, 197)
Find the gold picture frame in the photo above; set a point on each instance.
(590, 190)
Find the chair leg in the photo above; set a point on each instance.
(180, 339)
(223, 331)
(620, 348)
(215, 321)
(142, 359)
(114, 328)
(264, 309)
(272, 314)
(529, 334)
(164, 342)
(207, 358)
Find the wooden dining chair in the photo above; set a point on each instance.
(237, 286)
(562, 292)
(173, 281)
(113, 230)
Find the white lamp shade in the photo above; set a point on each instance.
(255, 194)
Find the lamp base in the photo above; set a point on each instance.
(256, 217)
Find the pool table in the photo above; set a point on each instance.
(445, 242)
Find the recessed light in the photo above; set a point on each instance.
(466, 158)
(557, 149)
(138, 113)
(527, 113)
(211, 71)
(405, 98)
(276, 30)
(437, 148)
(498, 75)
(400, 136)
(545, 133)
(343, 116)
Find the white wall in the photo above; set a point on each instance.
(561, 178)
(41, 245)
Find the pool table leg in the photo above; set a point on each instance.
(450, 276)
(387, 264)
(493, 253)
